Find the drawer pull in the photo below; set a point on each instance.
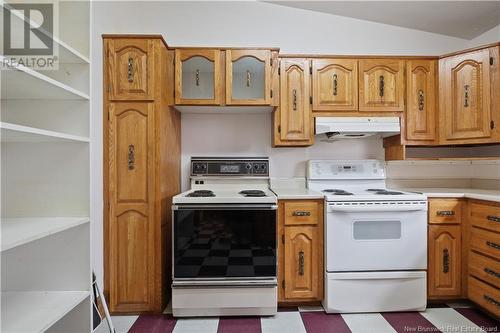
(493, 245)
(446, 261)
(301, 263)
(301, 213)
(445, 213)
(493, 218)
(491, 272)
(491, 300)
(131, 157)
(130, 70)
(294, 103)
(381, 85)
(335, 85)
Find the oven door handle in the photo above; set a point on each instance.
(225, 207)
(377, 208)
(271, 283)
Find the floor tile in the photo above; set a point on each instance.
(196, 325)
(367, 323)
(319, 322)
(289, 322)
(460, 304)
(122, 324)
(449, 320)
(154, 324)
(311, 308)
(239, 325)
(404, 322)
(479, 318)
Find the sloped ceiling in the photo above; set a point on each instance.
(463, 19)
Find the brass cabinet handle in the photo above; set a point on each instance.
(445, 213)
(491, 300)
(421, 100)
(493, 218)
(294, 93)
(491, 272)
(249, 78)
(493, 245)
(301, 213)
(131, 157)
(130, 71)
(381, 85)
(197, 78)
(335, 84)
(301, 263)
(466, 95)
(446, 261)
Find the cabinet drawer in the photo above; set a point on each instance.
(447, 211)
(301, 212)
(485, 295)
(485, 241)
(485, 216)
(484, 268)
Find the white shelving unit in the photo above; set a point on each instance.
(45, 157)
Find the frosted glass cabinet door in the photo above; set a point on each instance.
(248, 77)
(197, 77)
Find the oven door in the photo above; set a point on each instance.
(229, 242)
(376, 236)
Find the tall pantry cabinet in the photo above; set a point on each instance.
(141, 171)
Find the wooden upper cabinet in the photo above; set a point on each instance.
(421, 92)
(198, 78)
(295, 123)
(466, 97)
(248, 77)
(444, 268)
(381, 85)
(335, 84)
(130, 69)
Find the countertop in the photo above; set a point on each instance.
(293, 188)
(472, 193)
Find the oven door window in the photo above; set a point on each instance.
(224, 243)
(376, 230)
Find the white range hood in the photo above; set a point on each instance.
(356, 127)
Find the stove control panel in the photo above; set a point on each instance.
(345, 169)
(256, 167)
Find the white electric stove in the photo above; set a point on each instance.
(375, 239)
(224, 240)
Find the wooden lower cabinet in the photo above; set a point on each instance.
(300, 251)
(444, 267)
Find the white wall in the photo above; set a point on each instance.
(245, 24)
(490, 36)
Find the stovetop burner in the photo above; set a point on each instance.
(201, 193)
(253, 193)
(335, 191)
(376, 189)
(386, 192)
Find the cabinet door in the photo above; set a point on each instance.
(421, 89)
(295, 110)
(381, 85)
(248, 77)
(335, 84)
(466, 100)
(131, 220)
(130, 69)
(302, 262)
(444, 261)
(198, 77)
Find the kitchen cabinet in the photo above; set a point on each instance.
(141, 151)
(381, 85)
(335, 84)
(248, 77)
(198, 76)
(469, 97)
(444, 267)
(130, 69)
(421, 98)
(293, 119)
(300, 250)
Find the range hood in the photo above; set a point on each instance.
(356, 127)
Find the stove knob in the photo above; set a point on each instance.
(256, 166)
(263, 167)
(248, 166)
(204, 166)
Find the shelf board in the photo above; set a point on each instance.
(37, 311)
(18, 133)
(22, 230)
(67, 54)
(21, 82)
